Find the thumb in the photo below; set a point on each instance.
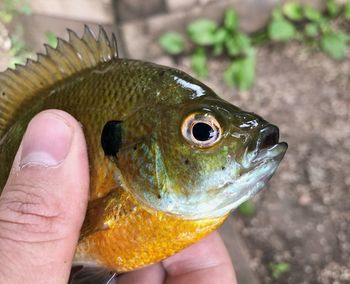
(43, 203)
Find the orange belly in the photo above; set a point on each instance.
(134, 236)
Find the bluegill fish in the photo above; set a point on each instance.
(169, 159)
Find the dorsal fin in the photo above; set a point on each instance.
(68, 58)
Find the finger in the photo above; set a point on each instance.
(205, 262)
(43, 204)
(154, 274)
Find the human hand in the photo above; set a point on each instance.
(42, 208)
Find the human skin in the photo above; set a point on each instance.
(43, 205)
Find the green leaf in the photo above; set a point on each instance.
(260, 37)
(293, 11)
(202, 32)
(51, 39)
(333, 8)
(6, 17)
(278, 269)
(199, 62)
(312, 14)
(237, 44)
(172, 43)
(281, 30)
(218, 49)
(231, 20)
(17, 45)
(232, 47)
(334, 44)
(347, 11)
(25, 9)
(220, 37)
(241, 73)
(325, 25)
(17, 60)
(311, 30)
(277, 14)
(247, 209)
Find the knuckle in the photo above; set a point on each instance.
(29, 214)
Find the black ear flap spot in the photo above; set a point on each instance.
(111, 137)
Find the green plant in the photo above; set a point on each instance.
(278, 269)
(9, 10)
(19, 51)
(280, 28)
(247, 209)
(172, 43)
(227, 39)
(291, 21)
(51, 39)
(199, 62)
(305, 23)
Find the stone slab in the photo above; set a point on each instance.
(176, 5)
(36, 25)
(141, 36)
(97, 11)
(127, 10)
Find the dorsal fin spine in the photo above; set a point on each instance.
(70, 57)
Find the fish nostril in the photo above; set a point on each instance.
(269, 137)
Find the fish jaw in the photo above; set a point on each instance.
(222, 191)
(252, 180)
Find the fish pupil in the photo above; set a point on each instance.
(202, 131)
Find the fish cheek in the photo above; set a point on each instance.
(139, 170)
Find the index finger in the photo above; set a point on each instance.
(204, 262)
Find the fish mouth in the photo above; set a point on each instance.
(267, 150)
(252, 179)
(274, 153)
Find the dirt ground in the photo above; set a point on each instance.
(303, 218)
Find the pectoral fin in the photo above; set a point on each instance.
(89, 274)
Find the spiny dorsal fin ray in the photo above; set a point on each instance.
(70, 57)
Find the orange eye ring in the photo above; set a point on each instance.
(201, 130)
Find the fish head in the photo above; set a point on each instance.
(199, 158)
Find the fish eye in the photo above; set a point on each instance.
(201, 130)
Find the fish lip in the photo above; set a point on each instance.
(274, 153)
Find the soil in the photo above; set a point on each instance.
(303, 217)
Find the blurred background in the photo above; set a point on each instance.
(285, 60)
